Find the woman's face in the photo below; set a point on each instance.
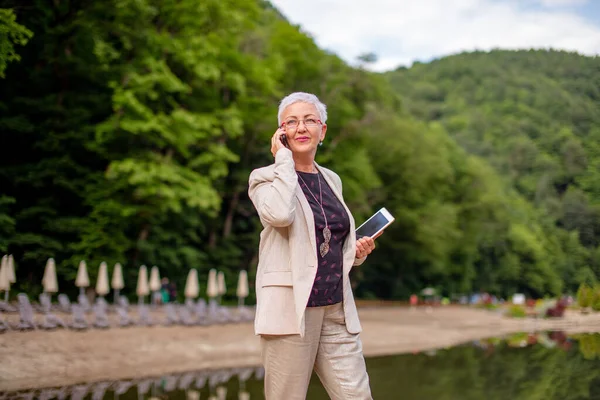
(303, 138)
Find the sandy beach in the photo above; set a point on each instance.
(39, 359)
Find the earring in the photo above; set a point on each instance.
(321, 143)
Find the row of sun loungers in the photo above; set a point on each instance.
(189, 314)
(166, 384)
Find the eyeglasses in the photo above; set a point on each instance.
(293, 124)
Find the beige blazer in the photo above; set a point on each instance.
(287, 260)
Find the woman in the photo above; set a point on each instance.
(306, 314)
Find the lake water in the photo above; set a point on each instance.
(542, 366)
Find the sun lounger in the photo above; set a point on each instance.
(214, 378)
(48, 394)
(79, 392)
(143, 387)
(217, 378)
(244, 374)
(213, 312)
(144, 316)
(101, 302)
(259, 373)
(64, 304)
(124, 319)
(84, 303)
(186, 380)
(45, 303)
(51, 321)
(226, 375)
(201, 379)
(245, 314)
(29, 395)
(201, 306)
(186, 317)
(3, 324)
(170, 383)
(225, 315)
(25, 313)
(172, 317)
(189, 303)
(121, 387)
(78, 321)
(99, 390)
(123, 302)
(201, 312)
(101, 319)
(7, 307)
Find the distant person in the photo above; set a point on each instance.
(172, 292)
(164, 290)
(414, 301)
(306, 314)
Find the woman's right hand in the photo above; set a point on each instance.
(276, 141)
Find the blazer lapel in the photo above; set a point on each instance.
(308, 216)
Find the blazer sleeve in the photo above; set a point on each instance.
(359, 261)
(273, 190)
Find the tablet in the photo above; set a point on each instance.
(378, 222)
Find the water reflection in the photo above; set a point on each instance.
(549, 366)
(527, 366)
(214, 385)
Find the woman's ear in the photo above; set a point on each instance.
(323, 131)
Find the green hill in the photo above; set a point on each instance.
(534, 116)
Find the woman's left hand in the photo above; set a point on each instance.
(364, 246)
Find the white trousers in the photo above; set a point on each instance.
(335, 355)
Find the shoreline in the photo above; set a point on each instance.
(41, 359)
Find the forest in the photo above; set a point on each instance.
(129, 129)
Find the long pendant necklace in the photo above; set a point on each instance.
(324, 248)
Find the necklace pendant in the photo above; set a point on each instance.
(324, 248)
(327, 234)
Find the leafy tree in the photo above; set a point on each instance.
(585, 296)
(11, 34)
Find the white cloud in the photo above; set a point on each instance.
(561, 3)
(403, 31)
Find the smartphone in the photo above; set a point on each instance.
(284, 140)
(378, 222)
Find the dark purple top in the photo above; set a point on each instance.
(327, 288)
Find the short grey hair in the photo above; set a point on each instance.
(302, 97)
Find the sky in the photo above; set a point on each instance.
(400, 32)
